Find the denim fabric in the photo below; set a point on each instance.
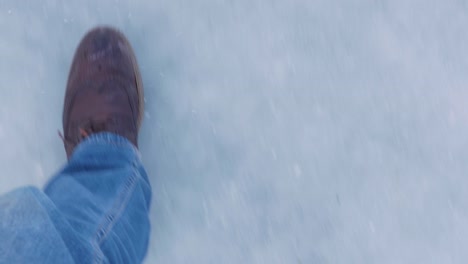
(94, 211)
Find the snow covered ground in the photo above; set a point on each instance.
(293, 131)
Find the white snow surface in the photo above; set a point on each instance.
(293, 131)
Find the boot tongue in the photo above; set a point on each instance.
(117, 124)
(92, 127)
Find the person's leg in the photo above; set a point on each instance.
(108, 204)
(94, 211)
(104, 194)
(31, 229)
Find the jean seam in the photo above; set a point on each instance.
(98, 255)
(111, 217)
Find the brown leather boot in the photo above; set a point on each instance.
(104, 90)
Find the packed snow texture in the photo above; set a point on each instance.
(292, 131)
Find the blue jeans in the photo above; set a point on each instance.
(94, 211)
